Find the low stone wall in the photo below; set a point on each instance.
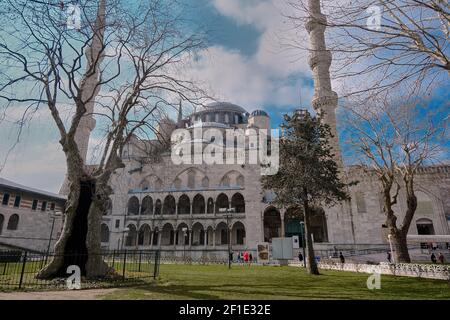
(430, 271)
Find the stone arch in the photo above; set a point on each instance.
(198, 234)
(238, 233)
(319, 227)
(167, 235)
(272, 224)
(221, 234)
(182, 235)
(210, 206)
(133, 206)
(222, 202)
(184, 205)
(198, 204)
(104, 233)
(158, 207)
(131, 236)
(147, 206)
(232, 178)
(144, 236)
(169, 205)
(238, 202)
(189, 176)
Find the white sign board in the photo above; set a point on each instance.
(295, 242)
(282, 248)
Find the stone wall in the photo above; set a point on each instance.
(430, 271)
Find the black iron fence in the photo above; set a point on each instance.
(18, 269)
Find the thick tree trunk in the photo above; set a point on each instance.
(401, 247)
(310, 260)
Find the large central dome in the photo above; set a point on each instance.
(224, 113)
(221, 106)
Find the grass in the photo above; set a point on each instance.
(178, 281)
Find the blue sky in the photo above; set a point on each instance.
(244, 63)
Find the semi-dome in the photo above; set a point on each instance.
(259, 113)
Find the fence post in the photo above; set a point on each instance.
(155, 270)
(114, 259)
(140, 259)
(23, 269)
(124, 263)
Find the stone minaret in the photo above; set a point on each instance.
(325, 99)
(94, 56)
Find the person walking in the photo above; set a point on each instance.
(300, 257)
(341, 256)
(245, 256)
(433, 258)
(389, 257)
(250, 257)
(441, 258)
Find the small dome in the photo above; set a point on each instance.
(259, 113)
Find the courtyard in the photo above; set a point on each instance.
(180, 281)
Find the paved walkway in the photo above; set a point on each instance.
(91, 294)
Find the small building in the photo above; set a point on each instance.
(27, 216)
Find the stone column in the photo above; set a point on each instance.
(205, 239)
(214, 238)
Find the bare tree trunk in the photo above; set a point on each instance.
(401, 247)
(310, 260)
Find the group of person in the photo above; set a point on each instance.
(441, 258)
(242, 257)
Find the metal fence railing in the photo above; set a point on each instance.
(18, 269)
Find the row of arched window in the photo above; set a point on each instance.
(184, 206)
(182, 234)
(13, 222)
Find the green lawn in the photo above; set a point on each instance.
(267, 282)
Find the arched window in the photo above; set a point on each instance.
(238, 203)
(210, 206)
(272, 224)
(2, 220)
(198, 234)
(13, 222)
(167, 236)
(147, 206)
(221, 202)
(133, 206)
(144, 235)
(184, 205)
(198, 205)
(169, 205)
(104, 233)
(158, 207)
(131, 236)
(238, 233)
(221, 234)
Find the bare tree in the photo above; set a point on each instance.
(392, 139)
(121, 68)
(378, 45)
